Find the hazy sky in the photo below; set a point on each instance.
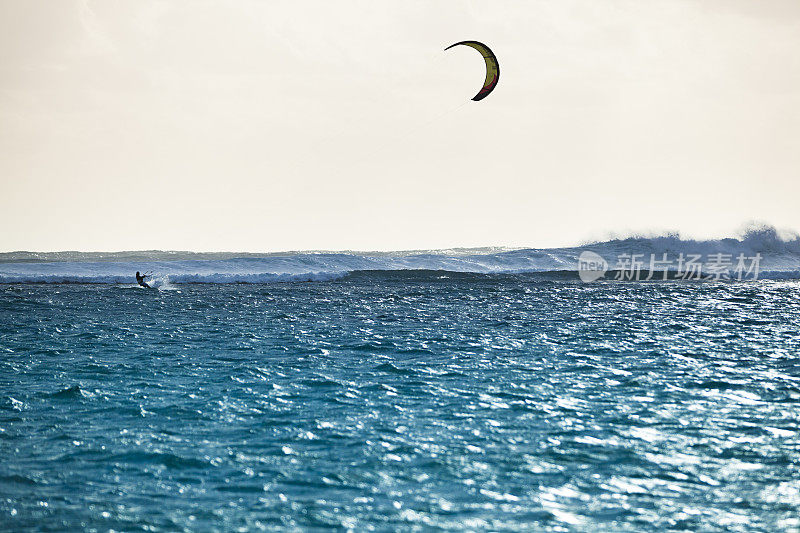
(271, 125)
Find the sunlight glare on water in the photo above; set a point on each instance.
(386, 401)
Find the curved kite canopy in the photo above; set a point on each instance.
(492, 67)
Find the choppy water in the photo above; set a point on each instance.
(398, 401)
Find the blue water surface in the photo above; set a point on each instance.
(401, 401)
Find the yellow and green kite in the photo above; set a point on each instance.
(492, 67)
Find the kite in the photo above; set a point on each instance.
(492, 67)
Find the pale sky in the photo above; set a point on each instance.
(285, 125)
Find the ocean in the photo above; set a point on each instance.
(446, 390)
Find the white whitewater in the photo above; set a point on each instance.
(779, 258)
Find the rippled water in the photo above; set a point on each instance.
(398, 401)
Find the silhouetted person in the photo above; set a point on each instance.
(140, 279)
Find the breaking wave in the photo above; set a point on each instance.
(779, 259)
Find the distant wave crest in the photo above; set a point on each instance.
(779, 259)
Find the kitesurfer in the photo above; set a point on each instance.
(140, 280)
